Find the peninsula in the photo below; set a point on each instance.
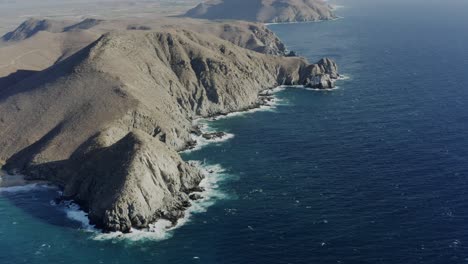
(102, 107)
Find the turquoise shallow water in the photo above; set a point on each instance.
(373, 172)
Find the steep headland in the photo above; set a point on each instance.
(106, 122)
(266, 11)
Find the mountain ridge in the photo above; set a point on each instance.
(35, 52)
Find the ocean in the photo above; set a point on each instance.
(374, 171)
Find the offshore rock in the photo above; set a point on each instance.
(321, 75)
(214, 135)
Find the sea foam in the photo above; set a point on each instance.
(304, 22)
(344, 77)
(270, 106)
(160, 230)
(203, 123)
(74, 212)
(202, 142)
(27, 188)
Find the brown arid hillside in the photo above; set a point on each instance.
(39, 43)
(265, 11)
(105, 123)
(13, 13)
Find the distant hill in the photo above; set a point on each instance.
(33, 26)
(266, 11)
(36, 44)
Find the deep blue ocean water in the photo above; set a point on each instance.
(373, 172)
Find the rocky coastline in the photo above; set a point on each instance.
(107, 123)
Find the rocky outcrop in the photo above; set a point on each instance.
(267, 11)
(214, 135)
(105, 124)
(131, 183)
(321, 75)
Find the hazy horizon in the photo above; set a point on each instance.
(12, 13)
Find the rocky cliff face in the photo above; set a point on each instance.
(253, 36)
(105, 123)
(321, 75)
(266, 11)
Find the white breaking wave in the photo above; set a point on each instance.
(303, 22)
(312, 89)
(270, 106)
(278, 89)
(203, 123)
(71, 209)
(74, 213)
(202, 142)
(344, 77)
(321, 90)
(157, 232)
(336, 7)
(160, 230)
(286, 23)
(26, 188)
